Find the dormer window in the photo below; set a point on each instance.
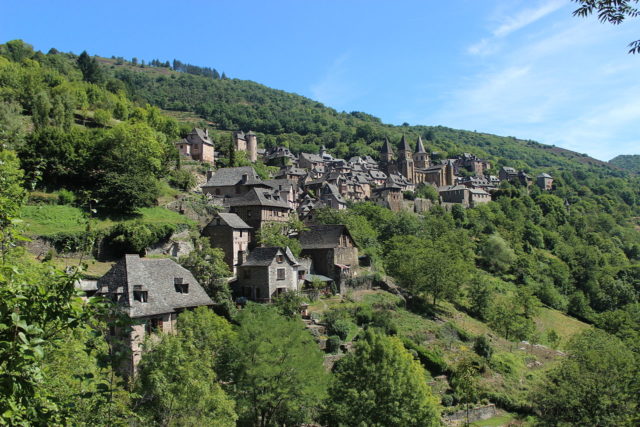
(141, 296)
(280, 259)
(181, 286)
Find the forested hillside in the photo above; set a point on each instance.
(87, 153)
(629, 162)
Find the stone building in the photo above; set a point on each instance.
(232, 182)
(246, 142)
(151, 292)
(267, 273)
(421, 158)
(197, 146)
(389, 196)
(332, 250)
(330, 195)
(230, 233)
(507, 173)
(260, 206)
(544, 181)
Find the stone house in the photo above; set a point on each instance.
(280, 156)
(507, 173)
(390, 196)
(267, 273)
(544, 181)
(232, 182)
(260, 206)
(197, 146)
(454, 194)
(478, 196)
(231, 234)
(310, 161)
(332, 250)
(246, 142)
(151, 292)
(330, 195)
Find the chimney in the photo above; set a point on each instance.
(206, 133)
(209, 174)
(243, 257)
(245, 178)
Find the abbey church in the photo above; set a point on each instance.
(416, 167)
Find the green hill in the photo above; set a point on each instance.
(629, 162)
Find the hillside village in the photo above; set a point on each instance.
(158, 265)
(155, 291)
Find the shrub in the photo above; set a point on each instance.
(364, 315)
(341, 328)
(333, 344)
(431, 360)
(182, 179)
(66, 197)
(447, 400)
(482, 347)
(382, 319)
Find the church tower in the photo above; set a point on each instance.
(387, 164)
(405, 160)
(421, 157)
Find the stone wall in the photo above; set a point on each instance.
(475, 414)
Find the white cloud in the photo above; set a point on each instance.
(570, 83)
(510, 24)
(526, 17)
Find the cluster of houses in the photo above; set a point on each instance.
(154, 291)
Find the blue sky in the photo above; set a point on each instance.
(523, 68)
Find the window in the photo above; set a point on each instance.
(182, 288)
(281, 274)
(280, 259)
(217, 192)
(141, 296)
(153, 325)
(301, 274)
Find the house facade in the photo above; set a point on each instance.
(197, 146)
(267, 273)
(332, 250)
(227, 231)
(151, 292)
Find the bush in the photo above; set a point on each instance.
(102, 117)
(482, 347)
(39, 198)
(447, 400)
(182, 179)
(382, 319)
(364, 315)
(431, 360)
(66, 197)
(341, 328)
(333, 344)
(134, 236)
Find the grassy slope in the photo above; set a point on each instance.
(514, 367)
(48, 220)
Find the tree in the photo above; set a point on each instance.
(277, 234)
(496, 254)
(177, 386)
(611, 11)
(89, 67)
(281, 379)
(380, 384)
(437, 268)
(210, 270)
(465, 382)
(596, 384)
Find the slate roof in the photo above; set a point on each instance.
(314, 158)
(420, 146)
(404, 145)
(157, 277)
(231, 176)
(261, 257)
(259, 197)
(508, 169)
(386, 147)
(544, 175)
(232, 220)
(322, 236)
(333, 190)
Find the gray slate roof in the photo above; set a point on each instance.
(259, 197)
(157, 277)
(261, 257)
(322, 236)
(231, 176)
(232, 220)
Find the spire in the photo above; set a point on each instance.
(386, 147)
(404, 146)
(420, 146)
